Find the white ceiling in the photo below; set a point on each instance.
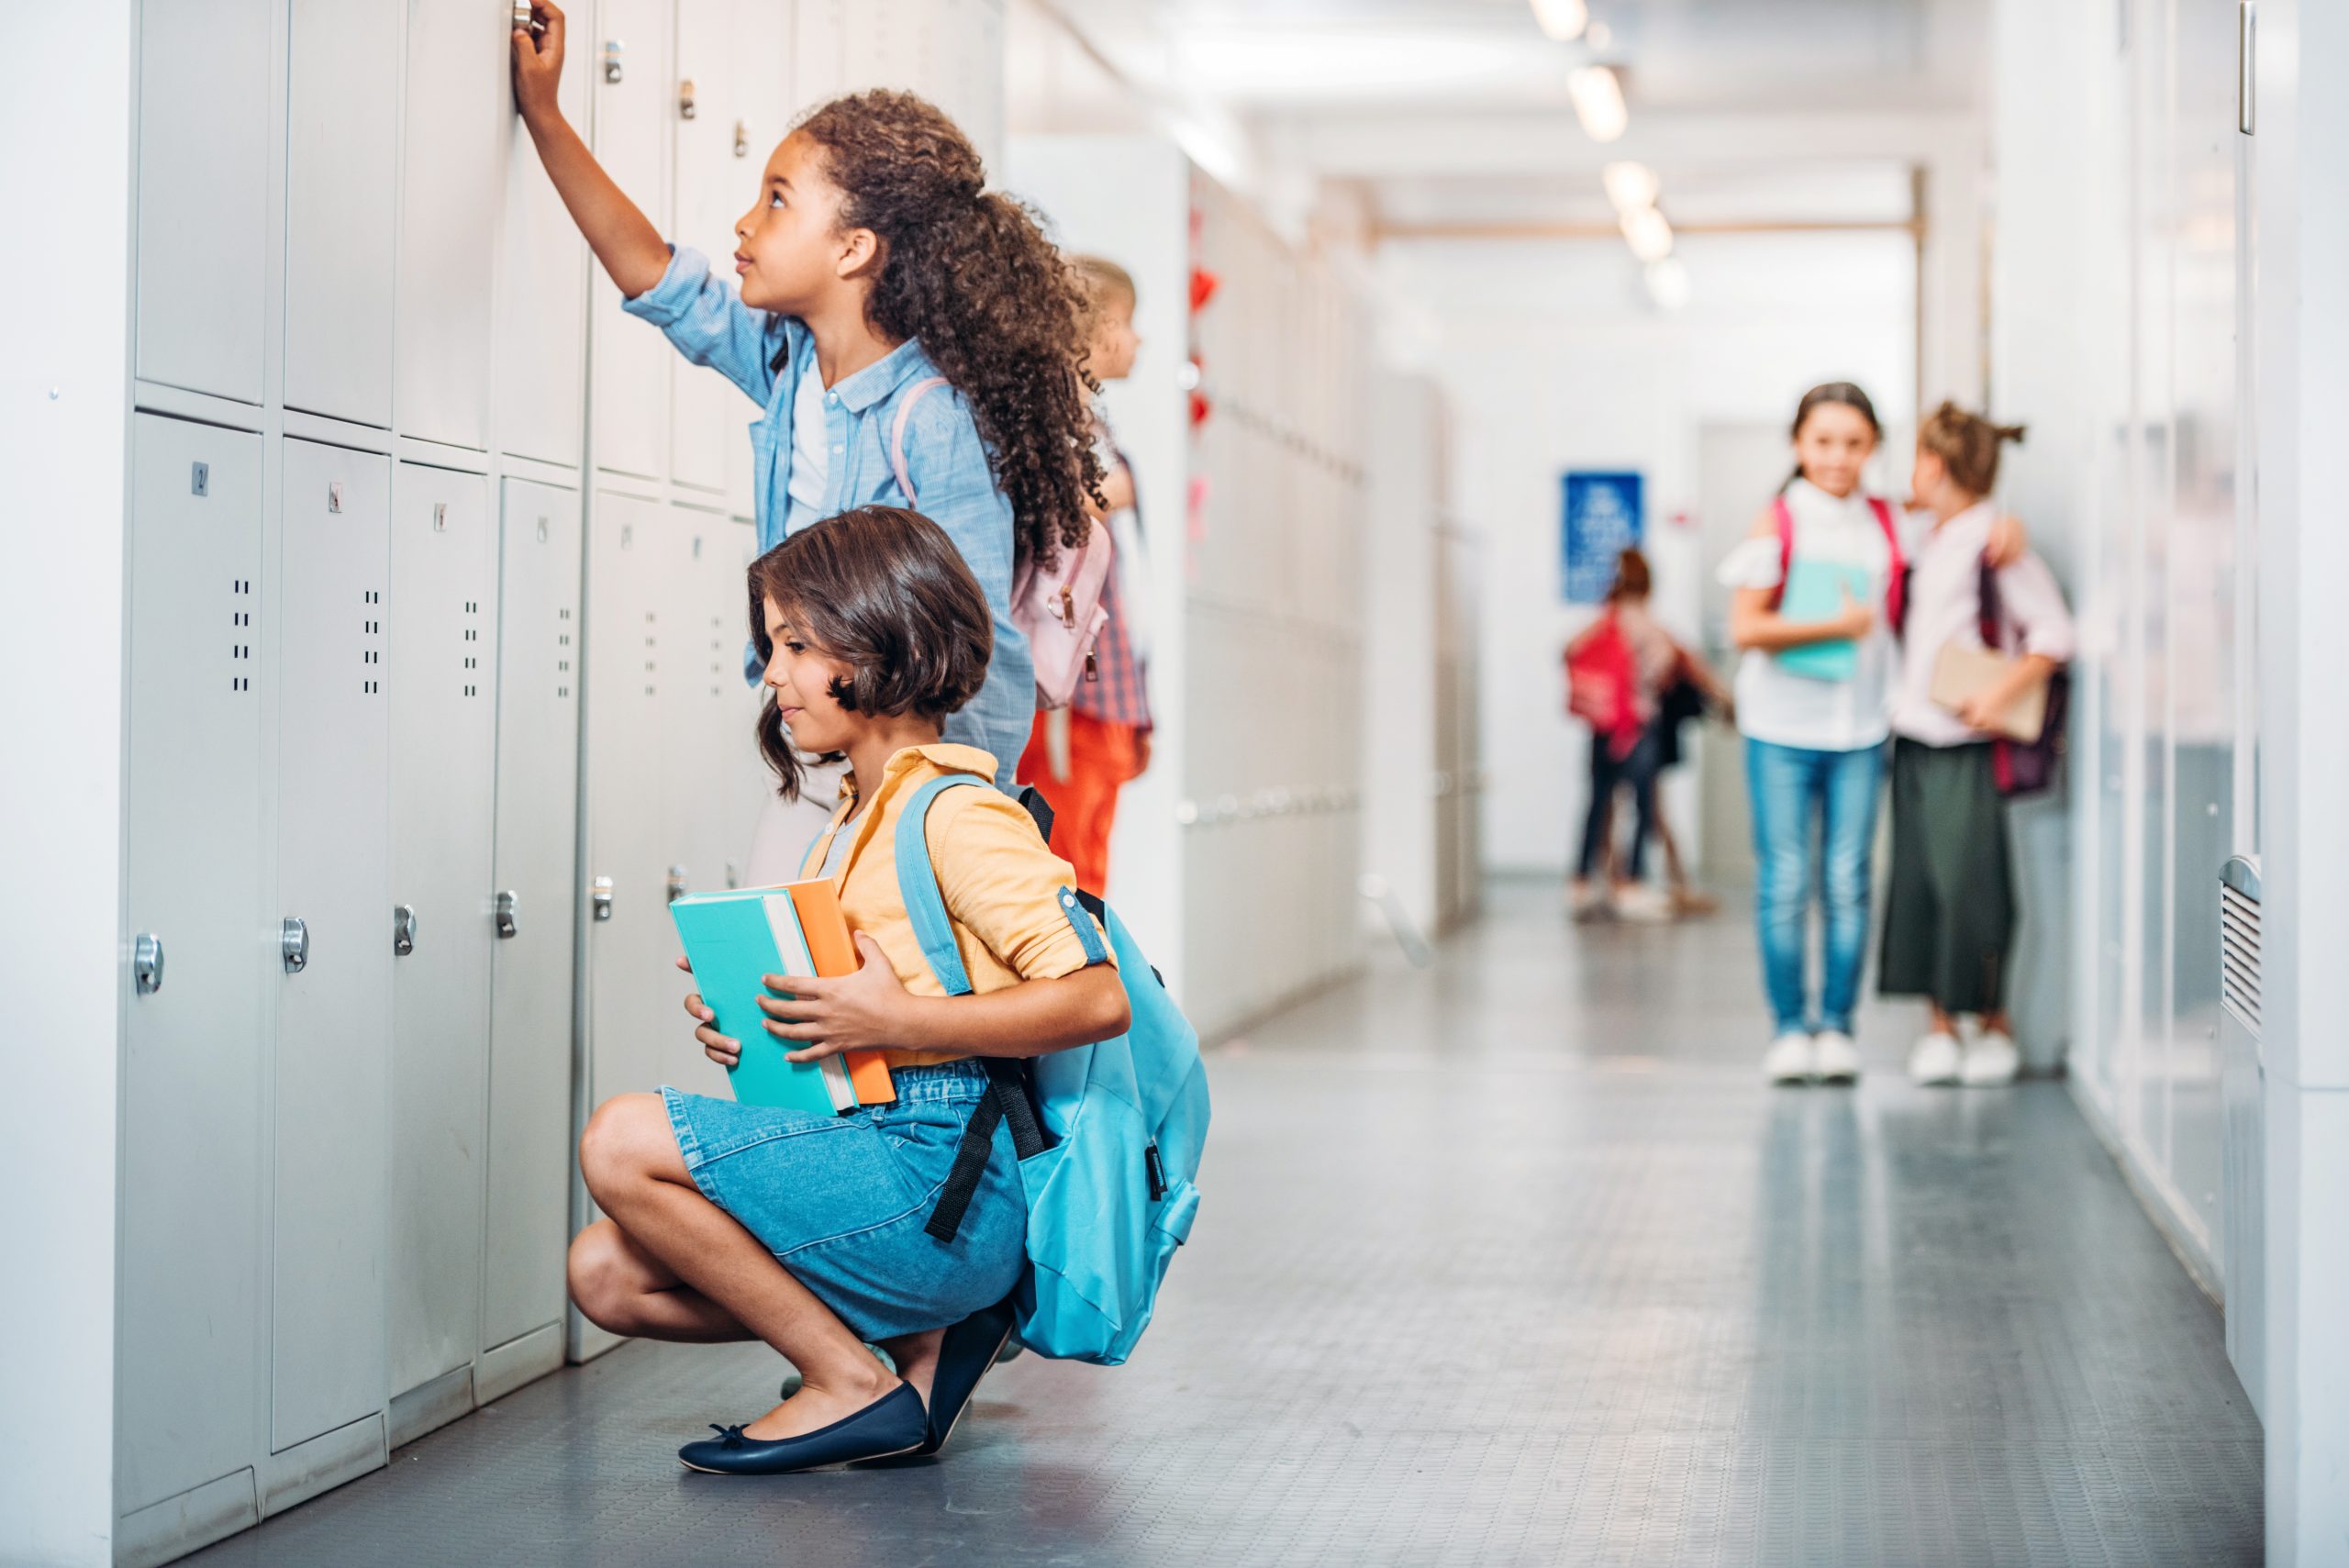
(1455, 111)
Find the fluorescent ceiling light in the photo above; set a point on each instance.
(1629, 187)
(1668, 282)
(1648, 234)
(1598, 102)
(1562, 19)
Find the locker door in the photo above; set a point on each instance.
(538, 817)
(762, 102)
(442, 689)
(334, 1012)
(710, 711)
(190, 1250)
(632, 994)
(342, 172)
(451, 176)
(818, 52)
(628, 359)
(204, 137)
(542, 311)
(713, 186)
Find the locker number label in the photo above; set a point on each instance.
(199, 481)
(439, 516)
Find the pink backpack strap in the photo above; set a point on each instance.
(1785, 516)
(1895, 588)
(898, 433)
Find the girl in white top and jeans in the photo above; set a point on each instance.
(1815, 744)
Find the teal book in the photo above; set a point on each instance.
(1815, 591)
(734, 940)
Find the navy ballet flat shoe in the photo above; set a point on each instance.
(970, 1349)
(894, 1423)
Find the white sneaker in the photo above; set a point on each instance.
(1838, 1058)
(1991, 1062)
(1934, 1060)
(1649, 906)
(1790, 1059)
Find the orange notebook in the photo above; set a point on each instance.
(818, 905)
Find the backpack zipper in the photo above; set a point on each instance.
(1156, 1170)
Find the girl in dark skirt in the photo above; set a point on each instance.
(1950, 913)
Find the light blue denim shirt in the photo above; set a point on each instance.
(765, 355)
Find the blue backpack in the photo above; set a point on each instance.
(1109, 1135)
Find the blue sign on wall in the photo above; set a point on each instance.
(1604, 514)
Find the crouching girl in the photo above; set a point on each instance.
(730, 1221)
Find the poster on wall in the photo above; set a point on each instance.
(1604, 514)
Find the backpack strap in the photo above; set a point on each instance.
(1784, 515)
(920, 390)
(1008, 1098)
(1896, 577)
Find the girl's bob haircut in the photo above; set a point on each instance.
(885, 591)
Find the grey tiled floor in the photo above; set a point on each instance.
(1515, 1260)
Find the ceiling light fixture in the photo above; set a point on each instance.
(1598, 102)
(1648, 233)
(1562, 19)
(1629, 187)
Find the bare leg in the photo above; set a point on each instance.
(629, 1157)
(1942, 1023)
(622, 1287)
(916, 1358)
(1998, 1023)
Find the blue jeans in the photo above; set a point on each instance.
(1792, 787)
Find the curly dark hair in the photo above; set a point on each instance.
(970, 272)
(884, 591)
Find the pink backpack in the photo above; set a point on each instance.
(1058, 609)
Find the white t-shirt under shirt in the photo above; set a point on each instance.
(1787, 709)
(811, 466)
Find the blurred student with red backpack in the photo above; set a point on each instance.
(1619, 670)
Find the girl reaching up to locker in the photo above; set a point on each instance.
(1821, 588)
(818, 1233)
(874, 265)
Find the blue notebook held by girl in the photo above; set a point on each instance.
(1816, 591)
(734, 940)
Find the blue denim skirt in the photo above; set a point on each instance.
(842, 1200)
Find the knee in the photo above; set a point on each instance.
(596, 1277)
(612, 1150)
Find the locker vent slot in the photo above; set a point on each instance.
(2239, 955)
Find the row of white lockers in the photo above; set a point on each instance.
(1270, 915)
(1280, 340)
(403, 474)
(1275, 529)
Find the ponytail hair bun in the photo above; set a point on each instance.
(1968, 445)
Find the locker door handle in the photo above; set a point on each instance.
(599, 894)
(676, 882)
(687, 108)
(403, 930)
(293, 944)
(505, 908)
(613, 50)
(147, 962)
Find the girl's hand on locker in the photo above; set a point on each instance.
(826, 1016)
(726, 1052)
(538, 63)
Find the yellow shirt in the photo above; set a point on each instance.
(1001, 884)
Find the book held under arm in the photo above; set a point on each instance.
(1962, 674)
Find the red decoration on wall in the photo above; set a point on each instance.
(1203, 287)
(1200, 409)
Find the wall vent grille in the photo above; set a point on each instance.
(2239, 955)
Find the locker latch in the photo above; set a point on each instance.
(439, 516)
(685, 106)
(613, 47)
(293, 944)
(403, 930)
(503, 911)
(599, 895)
(741, 139)
(334, 496)
(147, 964)
(676, 882)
